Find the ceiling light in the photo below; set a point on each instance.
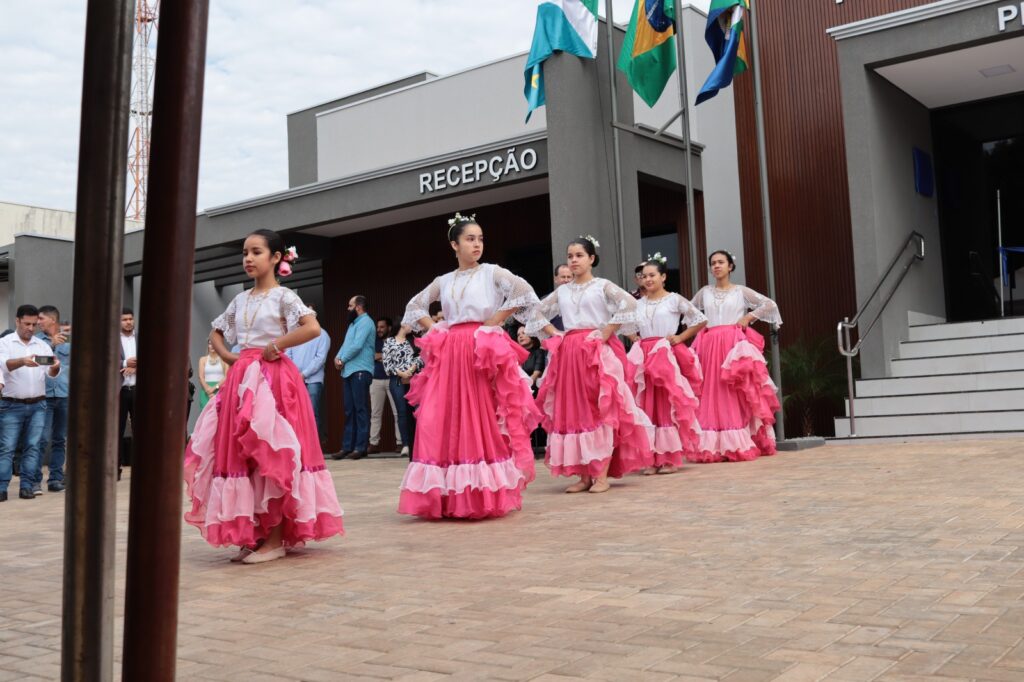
(1001, 70)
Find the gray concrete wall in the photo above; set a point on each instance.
(464, 110)
(881, 125)
(42, 273)
(302, 150)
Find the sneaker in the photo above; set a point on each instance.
(405, 451)
(3, 495)
(55, 487)
(37, 490)
(26, 494)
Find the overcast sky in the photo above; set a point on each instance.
(265, 59)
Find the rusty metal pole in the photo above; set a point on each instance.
(168, 258)
(87, 626)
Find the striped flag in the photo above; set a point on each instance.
(724, 35)
(562, 25)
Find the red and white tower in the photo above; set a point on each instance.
(143, 63)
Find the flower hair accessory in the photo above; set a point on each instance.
(459, 219)
(291, 254)
(592, 240)
(657, 258)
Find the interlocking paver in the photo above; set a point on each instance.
(854, 563)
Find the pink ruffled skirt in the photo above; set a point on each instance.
(254, 461)
(472, 456)
(664, 391)
(591, 417)
(739, 400)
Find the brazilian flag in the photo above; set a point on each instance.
(648, 56)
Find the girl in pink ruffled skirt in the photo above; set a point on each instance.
(738, 401)
(668, 378)
(472, 456)
(254, 468)
(595, 429)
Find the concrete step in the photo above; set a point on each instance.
(958, 364)
(942, 383)
(928, 424)
(995, 343)
(969, 401)
(961, 330)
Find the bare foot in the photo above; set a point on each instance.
(649, 471)
(580, 486)
(601, 485)
(667, 469)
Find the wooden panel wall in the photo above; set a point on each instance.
(810, 205)
(390, 265)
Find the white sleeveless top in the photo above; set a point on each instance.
(473, 295)
(213, 372)
(255, 321)
(660, 318)
(727, 306)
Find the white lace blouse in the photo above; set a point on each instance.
(660, 318)
(591, 305)
(473, 295)
(724, 307)
(254, 321)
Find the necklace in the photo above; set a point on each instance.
(458, 273)
(249, 320)
(651, 308)
(721, 294)
(577, 291)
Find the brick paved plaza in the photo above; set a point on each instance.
(888, 562)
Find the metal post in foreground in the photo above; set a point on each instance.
(850, 386)
(87, 626)
(154, 522)
(691, 219)
(620, 228)
(766, 212)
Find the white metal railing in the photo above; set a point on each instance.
(843, 330)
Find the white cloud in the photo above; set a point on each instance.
(265, 59)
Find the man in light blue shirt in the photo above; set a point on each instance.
(310, 358)
(355, 361)
(55, 425)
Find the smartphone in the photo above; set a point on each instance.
(45, 360)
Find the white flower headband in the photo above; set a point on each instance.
(592, 240)
(458, 219)
(657, 258)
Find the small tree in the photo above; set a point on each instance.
(813, 374)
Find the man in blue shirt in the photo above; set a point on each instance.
(55, 427)
(355, 361)
(310, 358)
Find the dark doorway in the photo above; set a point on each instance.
(663, 229)
(979, 151)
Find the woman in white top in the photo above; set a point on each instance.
(211, 374)
(668, 378)
(595, 429)
(471, 455)
(738, 401)
(254, 468)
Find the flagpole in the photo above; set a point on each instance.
(691, 214)
(766, 213)
(620, 226)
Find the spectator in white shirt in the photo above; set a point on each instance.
(128, 376)
(24, 363)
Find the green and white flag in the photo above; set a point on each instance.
(562, 25)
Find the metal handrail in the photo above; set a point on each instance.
(844, 328)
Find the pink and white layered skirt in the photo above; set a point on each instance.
(665, 375)
(254, 461)
(472, 457)
(591, 417)
(739, 400)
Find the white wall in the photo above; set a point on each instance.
(440, 116)
(45, 222)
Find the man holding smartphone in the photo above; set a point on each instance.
(25, 362)
(55, 427)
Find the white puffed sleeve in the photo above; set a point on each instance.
(622, 308)
(293, 310)
(698, 298)
(688, 311)
(762, 307)
(543, 312)
(519, 295)
(419, 306)
(225, 322)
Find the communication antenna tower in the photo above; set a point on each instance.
(143, 63)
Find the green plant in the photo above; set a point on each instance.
(813, 373)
